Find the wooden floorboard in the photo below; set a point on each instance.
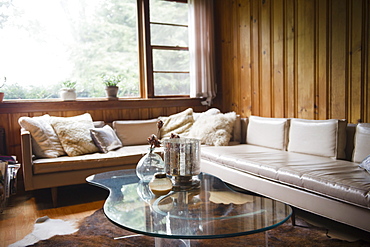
(74, 203)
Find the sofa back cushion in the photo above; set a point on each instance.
(267, 132)
(362, 142)
(135, 132)
(317, 137)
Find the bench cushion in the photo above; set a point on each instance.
(339, 179)
(123, 156)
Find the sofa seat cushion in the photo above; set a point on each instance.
(342, 180)
(122, 156)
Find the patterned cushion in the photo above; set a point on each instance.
(365, 164)
(74, 134)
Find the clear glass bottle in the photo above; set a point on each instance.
(148, 165)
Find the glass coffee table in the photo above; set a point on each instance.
(211, 211)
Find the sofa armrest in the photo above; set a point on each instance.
(26, 146)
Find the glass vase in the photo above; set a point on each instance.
(148, 165)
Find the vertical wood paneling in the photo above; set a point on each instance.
(278, 58)
(321, 96)
(355, 60)
(255, 82)
(289, 75)
(366, 62)
(338, 69)
(265, 54)
(235, 93)
(245, 58)
(226, 57)
(308, 58)
(305, 55)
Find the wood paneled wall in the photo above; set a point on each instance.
(294, 58)
(105, 110)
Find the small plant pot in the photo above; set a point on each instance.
(68, 94)
(1, 97)
(111, 92)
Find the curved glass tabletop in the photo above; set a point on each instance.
(211, 211)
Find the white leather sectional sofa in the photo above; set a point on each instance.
(309, 164)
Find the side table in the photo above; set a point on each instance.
(8, 182)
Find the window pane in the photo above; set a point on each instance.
(169, 35)
(67, 40)
(171, 84)
(168, 12)
(167, 60)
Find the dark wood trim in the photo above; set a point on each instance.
(172, 48)
(141, 48)
(169, 24)
(171, 72)
(24, 106)
(148, 50)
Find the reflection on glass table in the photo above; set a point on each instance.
(211, 211)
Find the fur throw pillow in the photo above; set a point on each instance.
(74, 134)
(45, 142)
(215, 129)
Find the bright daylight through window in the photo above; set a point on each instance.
(45, 43)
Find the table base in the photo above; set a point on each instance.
(168, 242)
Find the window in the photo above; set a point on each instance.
(169, 46)
(77, 40)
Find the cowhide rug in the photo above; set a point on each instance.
(97, 230)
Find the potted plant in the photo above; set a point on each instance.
(111, 84)
(68, 92)
(2, 93)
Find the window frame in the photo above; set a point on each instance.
(146, 51)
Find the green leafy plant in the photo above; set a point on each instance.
(3, 82)
(69, 84)
(111, 80)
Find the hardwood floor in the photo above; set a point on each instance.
(74, 203)
(79, 201)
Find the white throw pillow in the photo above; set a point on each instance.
(317, 137)
(74, 134)
(215, 129)
(179, 123)
(135, 132)
(45, 142)
(362, 142)
(267, 132)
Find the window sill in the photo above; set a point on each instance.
(19, 106)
